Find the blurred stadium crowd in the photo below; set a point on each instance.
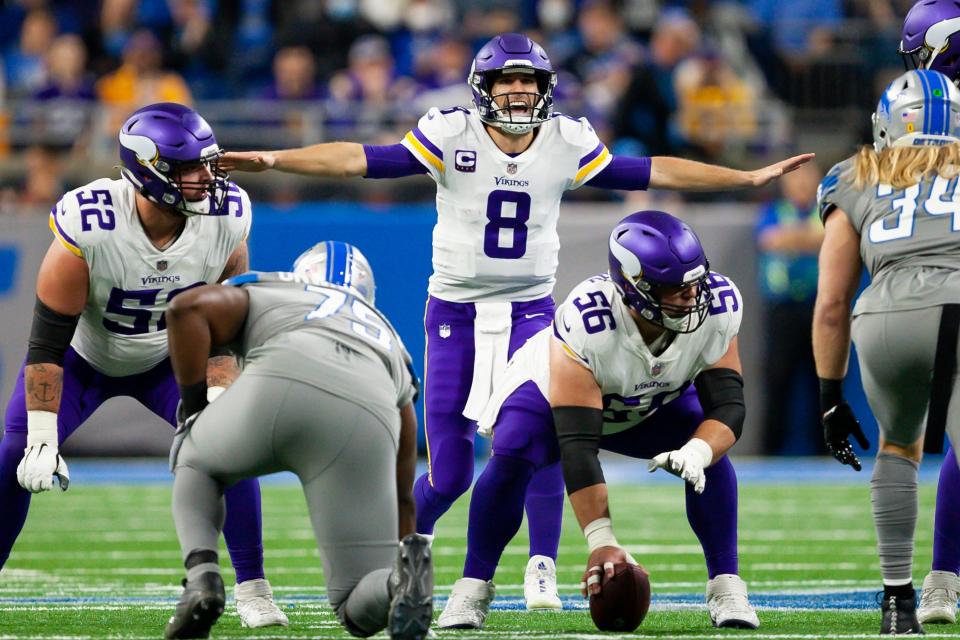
(731, 81)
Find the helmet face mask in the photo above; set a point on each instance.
(337, 263)
(159, 144)
(919, 108)
(512, 53)
(656, 259)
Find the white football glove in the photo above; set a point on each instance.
(41, 459)
(687, 462)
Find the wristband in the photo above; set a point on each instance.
(599, 533)
(831, 394)
(42, 428)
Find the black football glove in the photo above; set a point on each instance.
(184, 423)
(838, 424)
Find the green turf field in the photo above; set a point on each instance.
(102, 561)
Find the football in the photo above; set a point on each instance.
(623, 600)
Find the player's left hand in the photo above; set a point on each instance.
(838, 424)
(687, 462)
(762, 176)
(253, 161)
(41, 462)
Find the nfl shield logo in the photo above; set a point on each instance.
(657, 368)
(444, 330)
(512, 168)
(161, 265)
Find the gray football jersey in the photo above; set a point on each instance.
(291, 323)
(909, 239)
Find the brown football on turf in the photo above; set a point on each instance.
(623, 600)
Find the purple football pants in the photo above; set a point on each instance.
(448, 375)
(524, 441)
(84, 390)
(946, 525)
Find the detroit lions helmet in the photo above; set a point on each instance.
(927, 40)
(919, 108)
(651, 251)
(156, 142)
(337, 263)
(512, 53)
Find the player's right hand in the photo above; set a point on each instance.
(838, 424)
(252, 161)
(183, 429)
(40, 463)
(602, 561)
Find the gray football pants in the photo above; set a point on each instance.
(896, 351)
(345, 458)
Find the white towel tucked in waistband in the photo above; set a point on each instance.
(491, 343)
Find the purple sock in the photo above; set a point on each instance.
(544, 505)
(243, 529)
(946, 524)
(713, 517)
(496, 511)
(14, 500)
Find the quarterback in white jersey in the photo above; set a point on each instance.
(643, 362)
(123, 249)
(501, 169)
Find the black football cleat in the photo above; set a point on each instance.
(199, 607)
(411, 583)
(899, 616)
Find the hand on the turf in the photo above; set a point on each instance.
(683, 463)
(253, 161)
(40, 463)
(838, 424)
(601, 562)
(767, 174)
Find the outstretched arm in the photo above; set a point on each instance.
(331, 159)
(667, 172)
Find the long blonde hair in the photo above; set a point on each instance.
(903, 167)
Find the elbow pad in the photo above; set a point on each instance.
(579, 430)
(720, 392)
(50, 335)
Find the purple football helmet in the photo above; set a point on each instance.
(512, 53)
(927, 40)
(651, 251)
(159, 140)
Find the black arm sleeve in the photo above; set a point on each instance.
(50, 335)
(721, 395)
(579, 430)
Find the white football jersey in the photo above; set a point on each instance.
(496, 232)
(598, 332)
(122, 330)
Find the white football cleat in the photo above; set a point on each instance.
(540, 585)
(728, 604)
(255, 605)
(938, 600)
(468, 604)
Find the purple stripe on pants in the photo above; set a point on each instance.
(84, 390)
